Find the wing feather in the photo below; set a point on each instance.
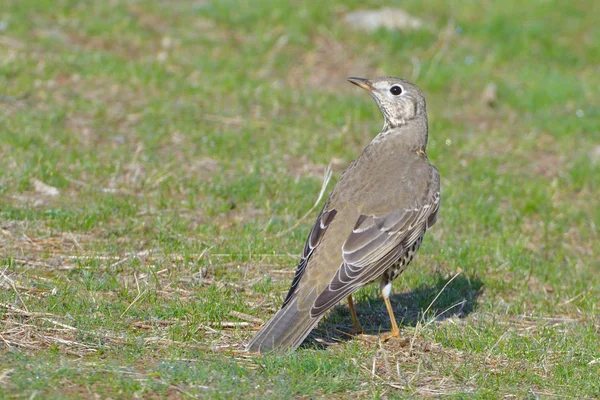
(314, 238)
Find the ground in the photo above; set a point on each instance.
(160, 163)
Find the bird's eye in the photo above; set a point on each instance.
(396, 90)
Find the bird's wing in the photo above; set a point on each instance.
(377, 242)
(314, 237)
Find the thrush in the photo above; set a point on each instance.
(372, 223)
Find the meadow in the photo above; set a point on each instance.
(160, 163)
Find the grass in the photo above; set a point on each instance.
(184, 137)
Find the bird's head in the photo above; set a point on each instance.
(399, 100)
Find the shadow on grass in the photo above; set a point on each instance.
(458, 299)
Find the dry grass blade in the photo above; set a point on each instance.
(228, 324)
(139, 296)
(246, 317)
(14, 310)
(326, 177)
(440, 293)
(12, 285)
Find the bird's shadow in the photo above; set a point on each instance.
(438, 301)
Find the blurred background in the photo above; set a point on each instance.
(158, 160)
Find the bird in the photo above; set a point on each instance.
(371, 224)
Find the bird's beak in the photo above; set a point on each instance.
(362, 83)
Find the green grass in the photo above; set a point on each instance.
(186, 138)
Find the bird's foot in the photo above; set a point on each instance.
(395, 333)
(357, 330)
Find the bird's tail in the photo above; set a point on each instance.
(285, 331)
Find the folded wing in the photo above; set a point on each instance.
(377, 242)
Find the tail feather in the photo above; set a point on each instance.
(285, 331)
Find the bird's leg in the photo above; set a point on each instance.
(395, 331)
(357, 328)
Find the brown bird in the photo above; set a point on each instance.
(371, 225)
